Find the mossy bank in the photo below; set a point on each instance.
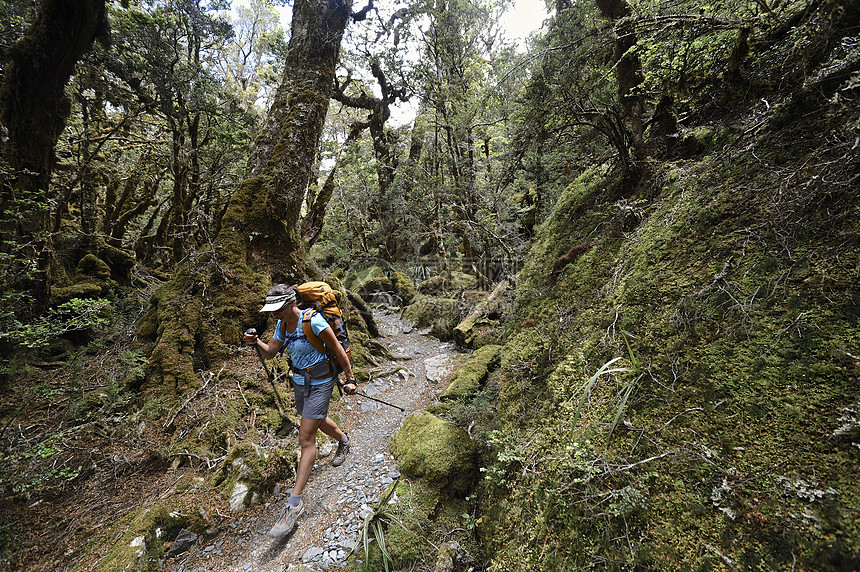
(726, 435)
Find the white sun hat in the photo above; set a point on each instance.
(278, 301)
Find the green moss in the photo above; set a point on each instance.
(429, 448)
(405, 546)
(187, 334)
(469, 377)
(439, 409)
(121, 262)
(92, 267)
(78, 290)
(369, 282)
(737, 339)
(442, 314)
(483, 325)
(404, 287)
(249, 472)
(418, 515)
(454, 282)
(140, 543)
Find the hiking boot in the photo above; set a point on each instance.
(287, 520)
(340, 454)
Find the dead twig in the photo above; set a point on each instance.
(190, 399)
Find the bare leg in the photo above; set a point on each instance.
(330, 428)
(308, 443)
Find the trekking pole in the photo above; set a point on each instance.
(269, 375)
(342, 392)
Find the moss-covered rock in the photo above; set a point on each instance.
(404, 288)
(450, 283)
(92, 279)
(470, 376)
(435, 450)
(369, 283)
(121, 262)
(441, 314)
(79, 290)
(426, 311)
(92, 267)
(249, 472)
(142, 533)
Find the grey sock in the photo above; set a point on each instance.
(294, 500)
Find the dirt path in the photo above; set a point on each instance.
(336, 498)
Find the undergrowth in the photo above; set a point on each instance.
(730, 298)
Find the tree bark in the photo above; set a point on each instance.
(33, 112)
(216, 294)
(380, 112)
(628, 69)
(312, 223)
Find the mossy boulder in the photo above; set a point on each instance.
(91, 267)
(249, 472)
(441, 314)
(81, 290)
(92, 280)
(120, 262)
(404, 288)
(426, 311)
(141, 544)
(470, 376)
(448, 283)
(370, 283)
(437, 451)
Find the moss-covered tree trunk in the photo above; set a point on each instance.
(216, 293)
(628, 72)
(33, 112)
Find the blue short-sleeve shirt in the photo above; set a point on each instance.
(302, 353)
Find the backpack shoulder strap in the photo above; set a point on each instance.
(309, 332)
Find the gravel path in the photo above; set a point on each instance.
(336, 498)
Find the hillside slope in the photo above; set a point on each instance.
(729, 286)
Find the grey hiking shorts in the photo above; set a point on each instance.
(313, 403)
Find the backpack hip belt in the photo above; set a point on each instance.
(319, 370)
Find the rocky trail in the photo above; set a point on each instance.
(336, 498)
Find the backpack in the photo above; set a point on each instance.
(321, 298)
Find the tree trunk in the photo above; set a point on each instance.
(216, 293)
(33, 111)
(628, 69)
(312, 223)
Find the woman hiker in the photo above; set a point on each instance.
(312, 383)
